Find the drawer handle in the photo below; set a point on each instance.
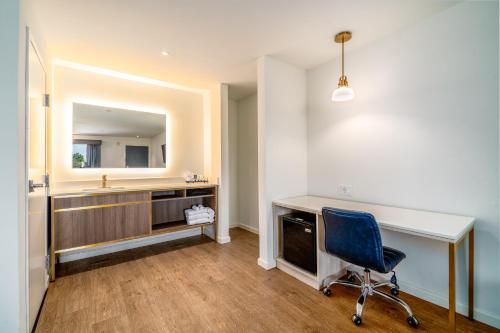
(307, 230)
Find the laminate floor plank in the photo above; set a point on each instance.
(197, 285)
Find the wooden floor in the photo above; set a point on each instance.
(197, 285)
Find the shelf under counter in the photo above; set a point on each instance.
(167, 227)
(183, 198)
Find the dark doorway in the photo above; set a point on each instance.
(136, 156)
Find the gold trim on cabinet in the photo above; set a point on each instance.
(102, 206)
(167, 230)
(52, 273)
(155, 233)
(97, 194)
(101, 243)
(150, 213)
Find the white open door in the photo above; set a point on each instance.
(36, 119)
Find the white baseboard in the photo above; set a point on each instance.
(489, 318)
(479, 315)
(310, 279)
(245, 227)
(223, 240)
(131, 244)
(267, 265)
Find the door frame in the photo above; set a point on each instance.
(30, 42)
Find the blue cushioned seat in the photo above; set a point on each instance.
(392, 258)
(355, 237)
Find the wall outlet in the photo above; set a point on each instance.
(344, 190)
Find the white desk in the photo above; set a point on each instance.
(442, 227)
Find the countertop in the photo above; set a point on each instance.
(84, 190)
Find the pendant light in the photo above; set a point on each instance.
(343, 92)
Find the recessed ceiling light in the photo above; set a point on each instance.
(164, 53)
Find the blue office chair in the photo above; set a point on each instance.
(354, 237)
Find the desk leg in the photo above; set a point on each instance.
(471, 274)
(451, 291)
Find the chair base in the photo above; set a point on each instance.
(368, 288)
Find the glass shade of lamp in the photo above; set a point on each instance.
(343, 93)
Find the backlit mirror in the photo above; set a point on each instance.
(105, 137)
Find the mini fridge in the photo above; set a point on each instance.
(299, 240)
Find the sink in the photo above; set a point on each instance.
(103, 189)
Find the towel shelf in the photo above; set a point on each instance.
(176, 226)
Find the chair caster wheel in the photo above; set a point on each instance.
(412, 321)
(327, 292)
(394, 291)
(356, 319)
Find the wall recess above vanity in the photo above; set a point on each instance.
(117, 112)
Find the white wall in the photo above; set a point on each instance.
(282, 143)
(12, 252)
(15, 16)
(248, 198)
(233, 163)
(421, 133)
(225, 182)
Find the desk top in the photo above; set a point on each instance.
(443, 227)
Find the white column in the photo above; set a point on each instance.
(223, 218)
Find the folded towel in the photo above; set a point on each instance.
(198, 216)
(200, 220)
(193, 213)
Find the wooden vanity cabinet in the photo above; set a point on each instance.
(84, 220)
(81, 221)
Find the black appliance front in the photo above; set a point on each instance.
(299, 241)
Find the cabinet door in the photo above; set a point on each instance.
(87, 226)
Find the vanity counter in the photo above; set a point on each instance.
(90, 190)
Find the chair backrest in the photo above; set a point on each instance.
(354, 237)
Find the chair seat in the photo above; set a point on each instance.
(392, 258)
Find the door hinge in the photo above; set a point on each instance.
(46, 100)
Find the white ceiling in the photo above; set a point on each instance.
(216, 40)
(105, 121)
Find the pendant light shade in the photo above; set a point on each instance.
(343, 92)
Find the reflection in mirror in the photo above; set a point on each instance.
(105, 137)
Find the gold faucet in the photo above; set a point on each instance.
(104, 179)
